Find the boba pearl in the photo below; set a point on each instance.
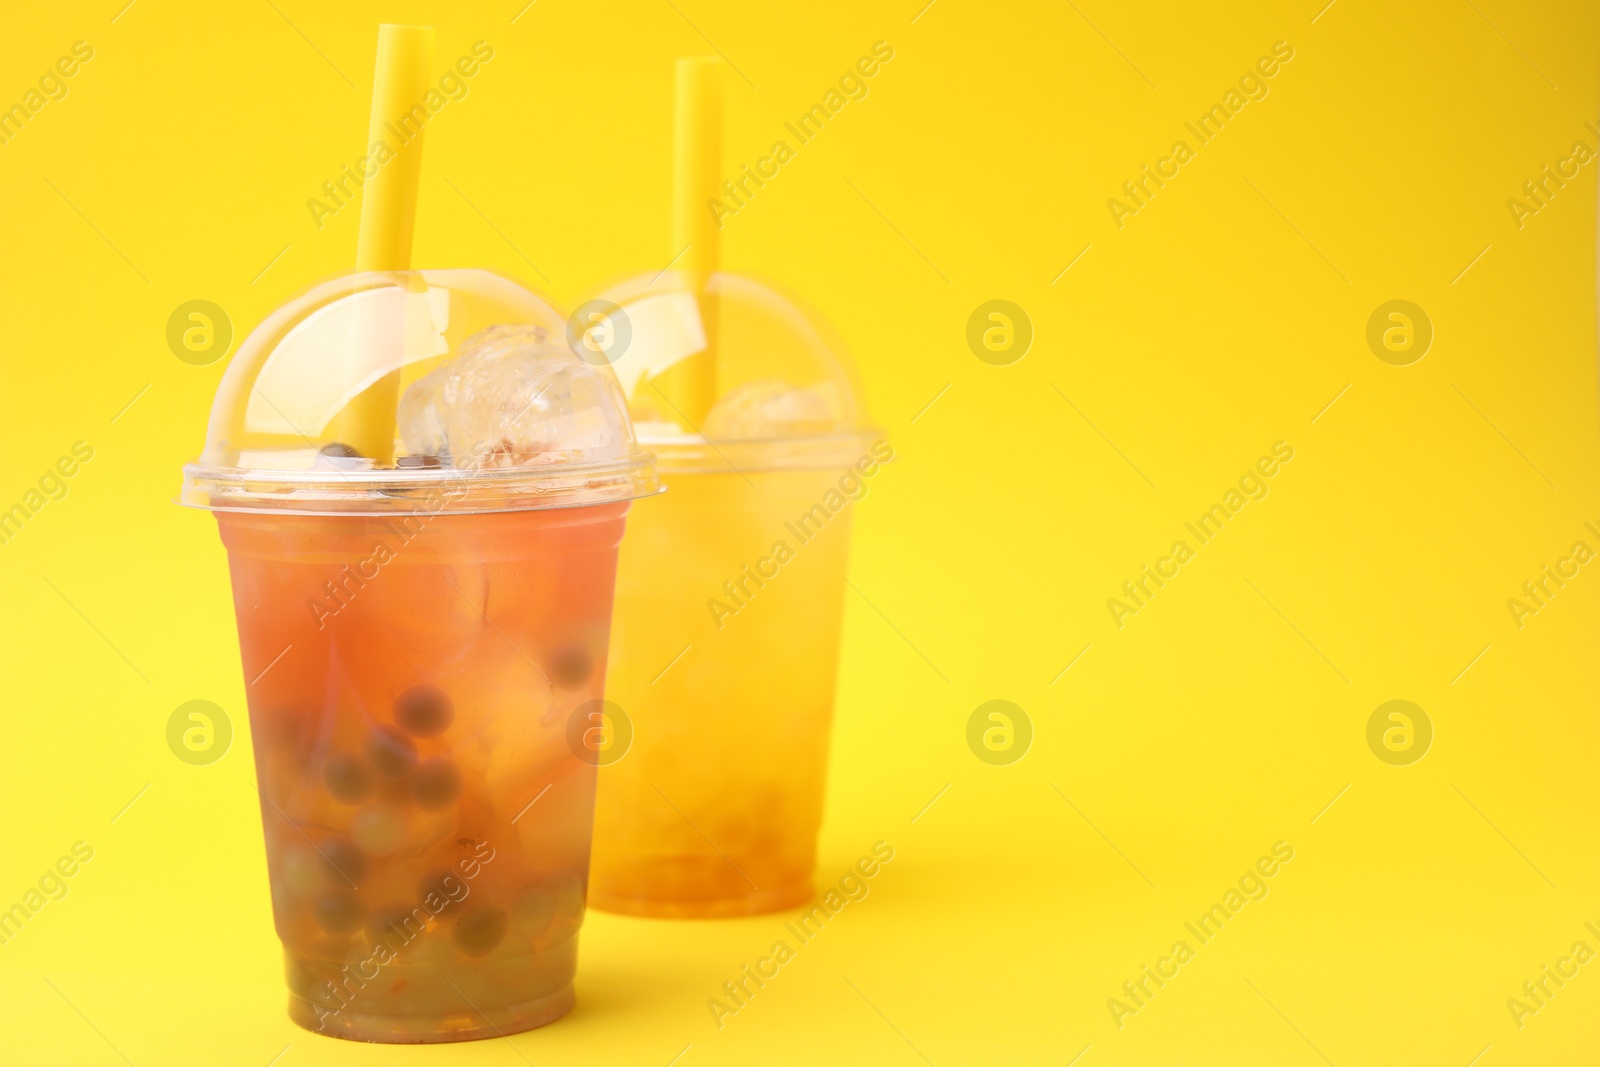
(437, 783)
(570, 666)
(338, 912)
(342, 860)
(348, 778)
(302, 870)
(480, 930)
(393, 754)
(339, 450)
(379, 829)
(424, 711)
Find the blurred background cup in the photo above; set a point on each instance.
(729, 596)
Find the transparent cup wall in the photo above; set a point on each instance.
(422, 490)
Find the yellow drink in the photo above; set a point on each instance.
(724, 649)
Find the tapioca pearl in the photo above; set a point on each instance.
(339, 450)
(436, 783)
(302, 870)
(424, 710)
(379, 829)
(338, 911)
(570, 666)
(343, 863)
(348, 777)
(478, 931)
(393, 754)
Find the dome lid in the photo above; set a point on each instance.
(732, 375)
(425, 390)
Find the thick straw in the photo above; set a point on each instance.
(690, 385)
(389, 209)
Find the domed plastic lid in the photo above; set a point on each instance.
(734, 376)
(430, 390)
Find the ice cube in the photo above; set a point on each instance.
(515, 396)
(770, 408)
(421, 428)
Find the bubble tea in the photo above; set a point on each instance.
(730, 590)
(418, 628)
(729, 598)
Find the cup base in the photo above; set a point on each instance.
(656, 907)
(469, 1025)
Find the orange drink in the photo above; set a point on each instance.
(427, 824)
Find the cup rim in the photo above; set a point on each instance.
(420, 490)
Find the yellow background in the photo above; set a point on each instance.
(1223, 317)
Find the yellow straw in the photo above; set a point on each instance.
(389, 208)
(690, 385)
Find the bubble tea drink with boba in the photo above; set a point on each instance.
(421, 490)
(731, 585)
(417, 634)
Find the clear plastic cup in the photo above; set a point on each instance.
(730, 593)
(419, 631)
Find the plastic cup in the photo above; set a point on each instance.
(729, 601)
(417, 638)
